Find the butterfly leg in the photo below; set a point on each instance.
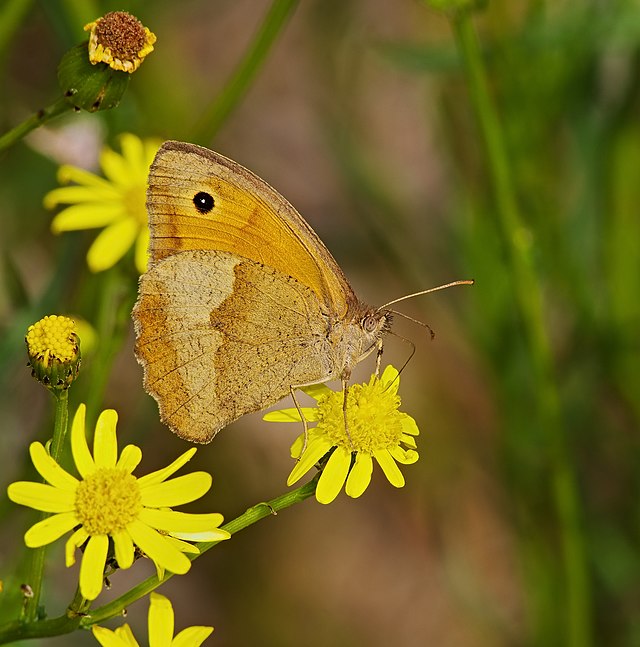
(345, 391)
(303, 419)
(379, 347)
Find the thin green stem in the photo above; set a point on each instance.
(34, 121)
(577, 612)
(36, 566)
(71, 620)
(240, 80)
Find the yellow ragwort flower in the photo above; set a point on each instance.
(53, 347)
(376, 429)
(120, 40)
(160, 629)
(109, 503)
(116, 203)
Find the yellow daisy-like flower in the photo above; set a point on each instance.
(108, 502)
(116, 203)
(120, 40)
(376, 429)
(160, 629)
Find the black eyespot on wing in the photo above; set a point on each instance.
(203, 202)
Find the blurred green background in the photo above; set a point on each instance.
(520, 523)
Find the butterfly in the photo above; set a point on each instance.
(241, 302)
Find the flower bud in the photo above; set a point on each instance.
(54, 351)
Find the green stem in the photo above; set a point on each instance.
(70, 621)
(40, 118)
(238, 84)
(36, 566)
(577, 612)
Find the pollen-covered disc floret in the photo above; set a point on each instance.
(54, 351)
(120, 40)
(375, 430)
(108, 505)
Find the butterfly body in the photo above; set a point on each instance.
(241, 301)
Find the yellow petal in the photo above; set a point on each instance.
(115, 168)
(79, 448)
(183, 546)
(316, 390)
(81, 195)
(166, 472)
(92, 567)
(177, 491)
(160, 621)
(125, 634)
(360, 475)
(333, 475)
(130, 458)
(183, 522)
(404, 456)
(291, 415)
(142, 250)
(123, 545)
(409, 425)
(107, 638)
(50, 470)
(77, 539)
(68, 173)
(390, 468)
(105, 442)
(157, 548)
(192, 637)
(111, 244)
(41, 497)
(48, 530)
(134, 154)
(316, 449)
(88, 215)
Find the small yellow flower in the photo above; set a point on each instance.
(160, 629)
(108, 502)
(376, 430)
(120, 40)
(116, 203)
(53, 347)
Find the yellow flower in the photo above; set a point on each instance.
(120, 40)
(116, 203)
(53, 347)
(108, 502)
(376, 429)
(160, 629)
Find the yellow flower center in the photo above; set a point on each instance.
(134, 200)
(108, 500)
(53, 338)
(373, 418)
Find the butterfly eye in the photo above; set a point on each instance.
(369, 323)
(203, 201)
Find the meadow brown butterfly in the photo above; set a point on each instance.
(241, 301)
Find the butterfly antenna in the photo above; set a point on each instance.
(416, 321)
(417, 294)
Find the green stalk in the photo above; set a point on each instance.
(36, 566)
(238, 84)
(70, 621)
(517, 238)
(58, 107)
